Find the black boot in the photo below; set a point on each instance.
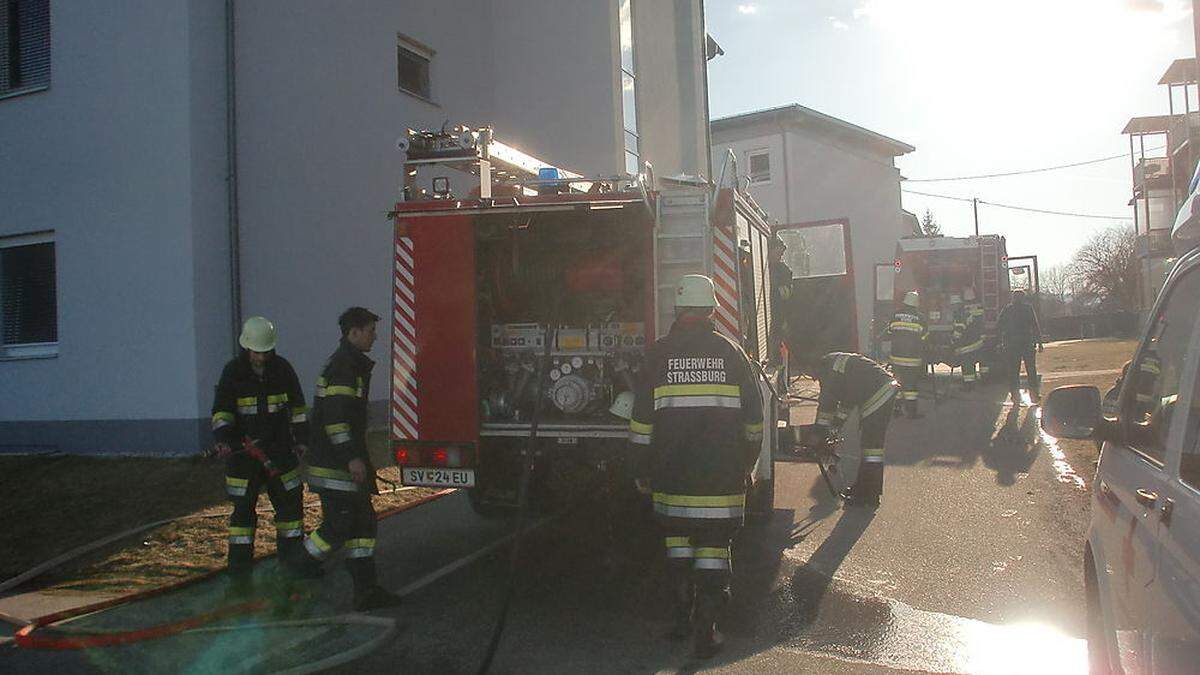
(706, 639)
(682, 599)
(241, 585)
(374, 597)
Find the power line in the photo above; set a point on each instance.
(1020, 208)
(1025, 171)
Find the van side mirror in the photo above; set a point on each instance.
(1072, 412)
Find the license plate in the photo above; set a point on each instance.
(439, 477)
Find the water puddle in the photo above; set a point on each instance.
(831, 618)
(1063, 471)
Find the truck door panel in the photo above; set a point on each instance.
(434, 388)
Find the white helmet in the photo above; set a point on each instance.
(696, 290)
(623, 405)
(912, 299)
(258, 334)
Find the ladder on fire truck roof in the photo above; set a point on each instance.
(478, 153)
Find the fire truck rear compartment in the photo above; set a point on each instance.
(586, 276)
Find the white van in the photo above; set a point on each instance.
(1142, 557)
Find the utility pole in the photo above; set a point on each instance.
(975, 207)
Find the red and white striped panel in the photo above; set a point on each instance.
(405, 423)
(728, 317)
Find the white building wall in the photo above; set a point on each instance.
(317, 161)
(109, 159)
(824, 179)
(125, 158)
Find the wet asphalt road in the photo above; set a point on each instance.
(972, 564)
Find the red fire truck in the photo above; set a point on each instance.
(506, 267)
(942, 269)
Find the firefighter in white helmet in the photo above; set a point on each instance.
(908, 331)
(696, 429)
(260, 426)
(968, 337)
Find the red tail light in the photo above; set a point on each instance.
(440, 456)
(402, 456)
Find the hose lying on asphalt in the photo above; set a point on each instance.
(522, 504)
(78, 551)
(27, 639)
(195, 625)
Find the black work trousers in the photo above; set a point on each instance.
(868, 486)
(1015, 357)
(244, 479)
(699, 565)
(349, 523)
(909, 378)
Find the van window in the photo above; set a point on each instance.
(1153, 381)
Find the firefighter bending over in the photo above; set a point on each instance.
(260, 426)
(340, 470)
(697, 422)
(908, 332)
(853, 383)
(968, 338)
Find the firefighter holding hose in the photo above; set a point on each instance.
(696, 430)
(260, 426)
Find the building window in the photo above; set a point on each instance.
(412, 66)
(632, 141)
(24, 46)
(759, 165)
(28, 296)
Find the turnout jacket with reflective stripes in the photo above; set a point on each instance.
(969, 330)
(908, 330)
(269, 409)
(850, 381)
(339, 417)
(697, 417)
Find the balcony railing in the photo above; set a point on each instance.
(1183, 128)
(1154, 244)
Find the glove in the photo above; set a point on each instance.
(300, 450)
(222, 450)
(642, 485)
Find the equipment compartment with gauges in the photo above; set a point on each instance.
(581, 282)
(588, 367)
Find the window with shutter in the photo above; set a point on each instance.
(28, 296)
(24, 46)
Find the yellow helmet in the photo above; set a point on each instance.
(623, 405)
(258, 334)
(696, 290)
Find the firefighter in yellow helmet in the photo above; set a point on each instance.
(908, 331)
(698, 424)
(260, 426)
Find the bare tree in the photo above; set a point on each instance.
(929, 225)
(1054, 287)
(1106, 267)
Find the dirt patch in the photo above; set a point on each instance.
(1085, 355)
(54, 504)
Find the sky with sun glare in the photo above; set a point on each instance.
(978, 86)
